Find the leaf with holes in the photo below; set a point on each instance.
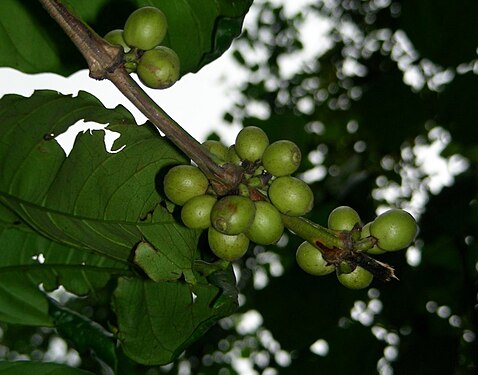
(92, 200)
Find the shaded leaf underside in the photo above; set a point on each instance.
(199, 31)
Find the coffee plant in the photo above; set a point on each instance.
(155, 234)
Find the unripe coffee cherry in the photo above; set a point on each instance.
(267, 226)
(359, 278)
(196, 212)
(158, 68)
(291, 196)
(184, 182)
(219, 152)
(251, 142)
(115, 37)
(310, 259)
(395, 229)
(365, 233)
(232, 214)
(227, 247)
(281, 158)
(145, 28)
(343, 218)
(232, 156)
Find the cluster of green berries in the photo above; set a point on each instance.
(267, 191)
(393, 230)
(157, 66)
(253, 212)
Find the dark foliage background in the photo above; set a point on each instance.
(395, 77)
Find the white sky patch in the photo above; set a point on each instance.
(67, 139)
(249, 322)
(197, 101)
(320, 347)
(40, 258)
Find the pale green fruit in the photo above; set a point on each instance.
(227, 247)
(145, 28)
(233, 214)
(158, 68)
(359, 278)
(310, 259)
(219, 152)
(115, 37)
(184, 182)
(196, 212)
(395, 229)
(365, 233)
(343, 218)
(281, 158)
(267, 226)
(291, 196)
(251, 142)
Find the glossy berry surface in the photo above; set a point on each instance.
(227, 247)
(310, 259)
(359, 278)
(219, 152)
(196, 212)
(184, 182)
(267, 226)
(395, 229)
(343, 218)
(232, 214)
(115, 37)
(158, 68)
(251, 142)
(291, 196)
(365, 233)
(145, 28)
(281, 158)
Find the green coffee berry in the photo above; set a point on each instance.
(196, 212)
(310, 259)
(219, 152)
(251, 142)
(343, 218)
(184, 182)
(115, 37)
(227, 247)
(365, 233)
(395, 229)
(359, 278)
(145, 28)
(267, 226)
(291, 196)
(232, 156)
(158, 68)
(232, 214)
(281, 158)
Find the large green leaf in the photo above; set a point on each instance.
(199, 31)
(158, 320)
(91, 199)
(28, 259)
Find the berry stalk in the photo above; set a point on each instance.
(106, 61)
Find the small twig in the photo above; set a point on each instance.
(105, 61)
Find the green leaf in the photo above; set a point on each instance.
(91, 199)
(28, 259)
(39, 368)
(85, 334)
(199, 31)
(158, 320)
